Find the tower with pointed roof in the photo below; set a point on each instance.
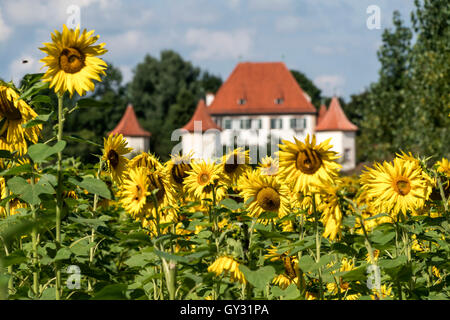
(335, 125)
(129, 127)
(201, 135)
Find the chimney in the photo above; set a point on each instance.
(209, 98)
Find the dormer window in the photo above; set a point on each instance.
(242, 101)
(279, 100)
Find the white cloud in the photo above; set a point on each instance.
(287, 24)
(127, 73)
(26, 63)
(330, 84)
(234, 4)
(219, 45)
(5, 30)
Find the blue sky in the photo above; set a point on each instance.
(328, 40)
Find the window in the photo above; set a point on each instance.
(227, 124)
(276, 123)
(279, 100)
(242, 101)
(346, 155)
(246, 123)
(298, 124)
(257, 124)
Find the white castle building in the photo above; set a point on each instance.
(259, 105)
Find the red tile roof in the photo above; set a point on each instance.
(322, 112)
(129, 125)
(335, 119)
(201, 114)
(260, 84)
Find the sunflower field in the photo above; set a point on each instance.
(291, 227)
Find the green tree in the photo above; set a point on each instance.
(164, 93)
(309, 87)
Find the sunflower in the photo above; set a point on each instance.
(443, 167)
(226, 264)
(284, 281)
(146, 160)
(343, 287)
(14, 113)
(177, 170)
(203, 180)
(331, 211)
(386, 292)
(396, 187)
(134, 192)
(114, 149)
(234, 164)
(72, 61)
(269, 166)
(264, 193)
(307, 163)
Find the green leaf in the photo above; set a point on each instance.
(382, 238)
(140, 260)
(24, 168)
(94, 186)
(306, 263)
(91, 103)
(230, 204)
(35, 88)
(258, 278)
(40, 151)
(16, 257)
(27, 192)
(111, 292)
(63, 254)
(169, 256)
(392, 263)
(40, 119)
(355, 274)
(290, 293)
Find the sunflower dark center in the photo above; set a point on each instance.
(113, 158)
(71, 60)
(402, 186)
(232, 164)
(268, 199)
(179, 172)
(7, 108)
(308, 161)
(203, 178)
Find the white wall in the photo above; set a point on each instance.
(203, 146)
(138, 144)
(341, 140)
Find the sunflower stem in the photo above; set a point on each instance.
(318, 243)
(34, 241)
(59, 195)
(92, 238)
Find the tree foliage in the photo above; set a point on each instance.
(408, 107)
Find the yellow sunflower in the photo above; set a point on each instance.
(443, 167)
(13, 114)
(396, 187)
(134, 192)
(264, 193)
(114, 149)
(72, 61)
(234, 164)
(269, 166)
(203, 180)
(146, 160)
(307, 163)
(228, 265)
(177, 169)
(343, 287)
(332, 214)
